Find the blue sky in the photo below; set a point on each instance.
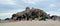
(9, 7)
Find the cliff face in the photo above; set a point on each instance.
(29, 14)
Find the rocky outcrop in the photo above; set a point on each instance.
(7, 19)
(29, 14)
(55, 17)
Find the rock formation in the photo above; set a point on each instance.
(7, 19)
(29, 14)
(55, 17)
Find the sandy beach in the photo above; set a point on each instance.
(32, 23)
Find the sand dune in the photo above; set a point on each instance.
(32, 23)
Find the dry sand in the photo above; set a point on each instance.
(32, 23)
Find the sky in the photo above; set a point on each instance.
(9, 7)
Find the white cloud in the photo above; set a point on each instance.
(31, 1)
(53, 13)
(11, 2)
(52, 5)
(4, 14)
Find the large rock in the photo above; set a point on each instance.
(55, 17)
(29, 14)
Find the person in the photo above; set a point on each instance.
(46, 19)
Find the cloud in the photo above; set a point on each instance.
(10, 2)
(53, 13)
(34, 1)
(52, 5)
(4, 14)
(31, 1)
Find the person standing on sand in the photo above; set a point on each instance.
(46, 19)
